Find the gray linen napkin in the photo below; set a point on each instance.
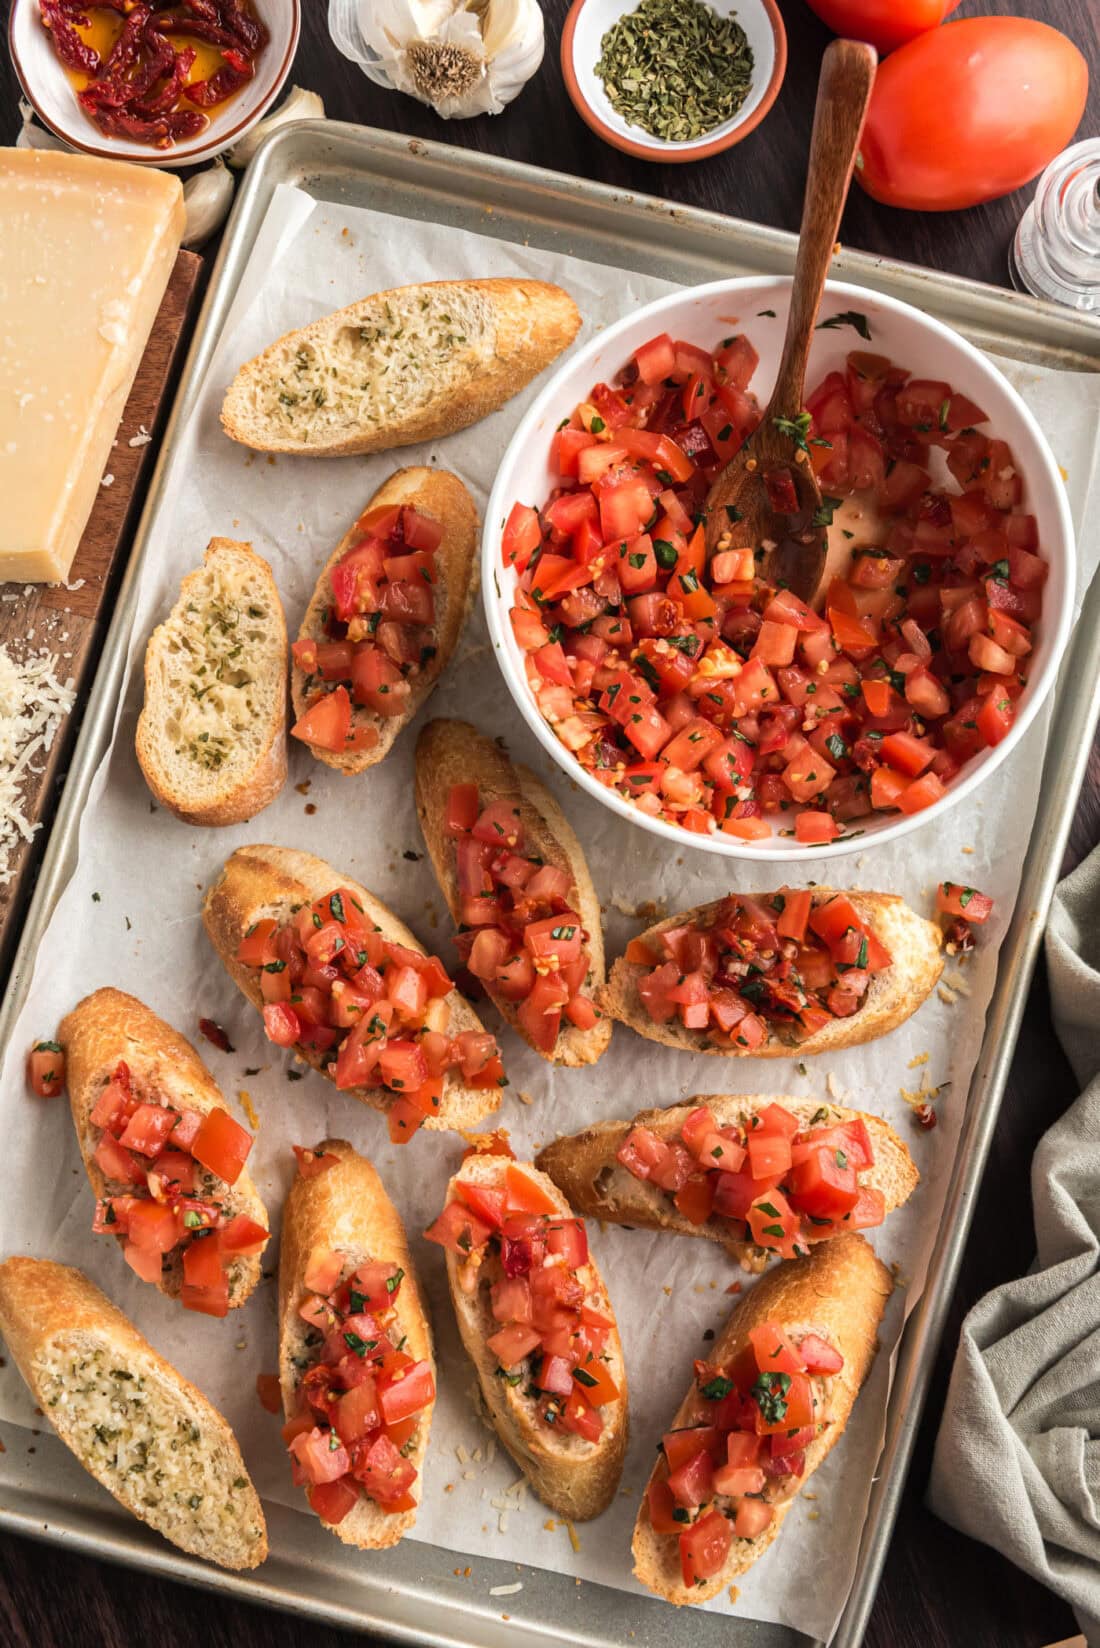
(1017, 1461)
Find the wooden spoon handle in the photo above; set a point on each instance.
(843, 92)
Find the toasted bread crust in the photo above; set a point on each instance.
(584, 1167)
(346, 1209)
(534, 322)
(261, 881)
(46, 1308)
(256, 790)
(441, 496)
(577, 1479)
(453, 752)
(892, 997)
(840, 1292)
(108, 1026)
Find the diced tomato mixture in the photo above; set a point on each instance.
(782, 966)
(520, 931)
(166, 1172)
(46, 1069)
(717, 702)
(781, 1185)
(372, 1010)
(379, 630)
(721, 1477)
(960, 910)
(361, 1402)
(551, 1322)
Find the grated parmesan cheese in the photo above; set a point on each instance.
(33, 704)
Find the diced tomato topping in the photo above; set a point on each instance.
(46, 1070)
(333, 985)
(965, 902)
(222, 1145)
(361, 1400)
(783, 1185)
(704, 1547)
(155, 1150)
(547, 1332)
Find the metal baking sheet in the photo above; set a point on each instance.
(416, 1591)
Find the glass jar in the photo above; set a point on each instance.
(1056, 250)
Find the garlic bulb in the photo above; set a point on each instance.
(463, 57)
(206, 199)
(297, 105)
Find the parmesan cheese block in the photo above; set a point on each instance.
(86, 250)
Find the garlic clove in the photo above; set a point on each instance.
(298, 105)
(206, 201)
(36, 137)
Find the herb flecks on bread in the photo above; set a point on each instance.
(407, 365)
(211, 738)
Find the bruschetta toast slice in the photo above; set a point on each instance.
(355, 1350)
(538, 1325)
(777, 975)
(758, 1175)
(135, 1424)
(163, 1155)
(411, 364)
(384, 618)
(494, 831)
(211, 736)
(764, 1410)
(389, 1028)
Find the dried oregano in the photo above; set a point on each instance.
(675, 68)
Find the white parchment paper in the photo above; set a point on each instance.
(130, 918)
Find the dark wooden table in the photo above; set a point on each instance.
(939, 1591)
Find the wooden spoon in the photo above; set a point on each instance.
(740, 512)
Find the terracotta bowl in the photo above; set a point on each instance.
(581, 42)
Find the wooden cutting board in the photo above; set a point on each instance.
(71, 621)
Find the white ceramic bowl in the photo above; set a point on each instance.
(50, 92)
(913, 340)
(581, 45)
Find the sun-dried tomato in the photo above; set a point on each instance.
(161, 130)
(171, 91)
(71, 49)
(237, 72)
(139, 90)
(212, 34)
(249, 30)
(215, 1035)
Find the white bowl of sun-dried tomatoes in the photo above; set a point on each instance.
(706, 707)
(154, 83)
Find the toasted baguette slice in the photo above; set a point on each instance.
(134, 1423)
(585, 1168)
(345, 1210)
(109, 1026)
(411, 364)
(892, 997)
(453, 752)
(442, 497)
(575, 1477)
(211, 737)
(261, 882)
(838, 1292)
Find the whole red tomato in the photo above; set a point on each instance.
(969, 112)
(885, 23)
